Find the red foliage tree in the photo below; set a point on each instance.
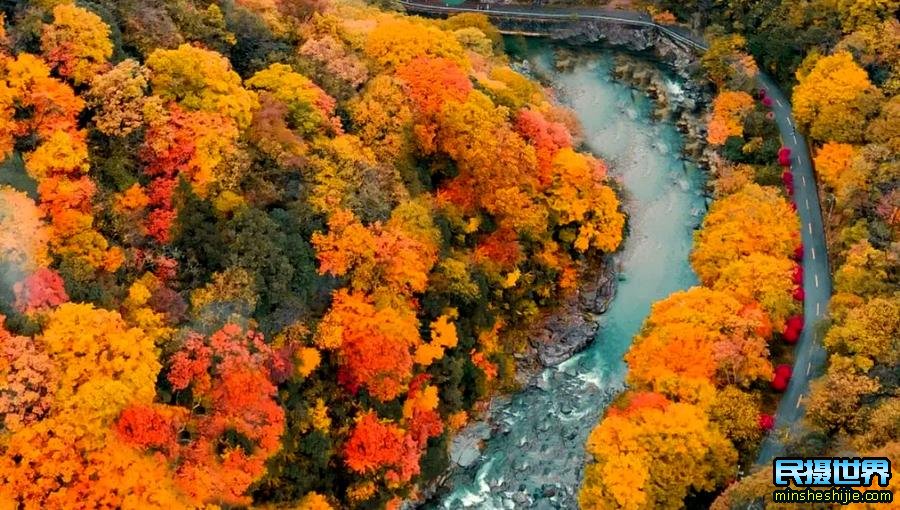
(779, 384)
(182, 144)
(787, 177)
(500, 248)
(784, 156)
(374, 446)
(228, 374)
(793, 327)
(374, 344)
(424, 422)
(431, 83)
(41, 290)
(547, 137)
(782, 377)
(154, 427)
(61, 194)
(797, 275)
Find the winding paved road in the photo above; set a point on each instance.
(809, 354)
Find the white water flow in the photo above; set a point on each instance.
(536, 456)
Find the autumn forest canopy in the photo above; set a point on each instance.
(268, 251)
(278, 252)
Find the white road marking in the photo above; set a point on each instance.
(804, 179)
(807, 203)
(817, 279)
(799, 399)
(813, 250)
(789, 122)
(794, 137)
(809, 227)
(808, 367)
(779, 104)
(817, 309)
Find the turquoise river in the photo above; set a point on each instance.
(535, 456)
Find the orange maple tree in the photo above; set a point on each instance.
(374, 344)
(729, 109)
(228, 374)
(375, 446)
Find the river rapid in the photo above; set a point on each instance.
(534, 454)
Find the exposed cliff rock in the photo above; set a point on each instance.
(569, 328)
(686, 108)
(631, 38)
(575, 325)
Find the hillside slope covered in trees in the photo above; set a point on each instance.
(840, 61)
(267, 251)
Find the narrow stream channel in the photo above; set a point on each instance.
(535, 459)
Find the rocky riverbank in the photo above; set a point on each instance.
(560, 334)
(687, 108)
(572, 326)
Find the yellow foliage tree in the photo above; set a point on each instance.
(200, 79)
(578, 197)
(308, 358)
(119, 100)
(727, 64)
(443, 336)
(736, 412)
(834, 163)
(729, 110)
(314, 501)
(756, 219)
(764, 279)
(652, 457)
(103, 363)
(136, 310)
(395, 41)
(498, 170)
(835, 99)
(871, 331)
(379, 259)
(383, 118)
(307, 104)
(62, 153)
(675, 360)
(76, 42)
(699, 335)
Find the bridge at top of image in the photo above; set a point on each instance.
(555, 15)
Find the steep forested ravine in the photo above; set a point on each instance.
(534, 447)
